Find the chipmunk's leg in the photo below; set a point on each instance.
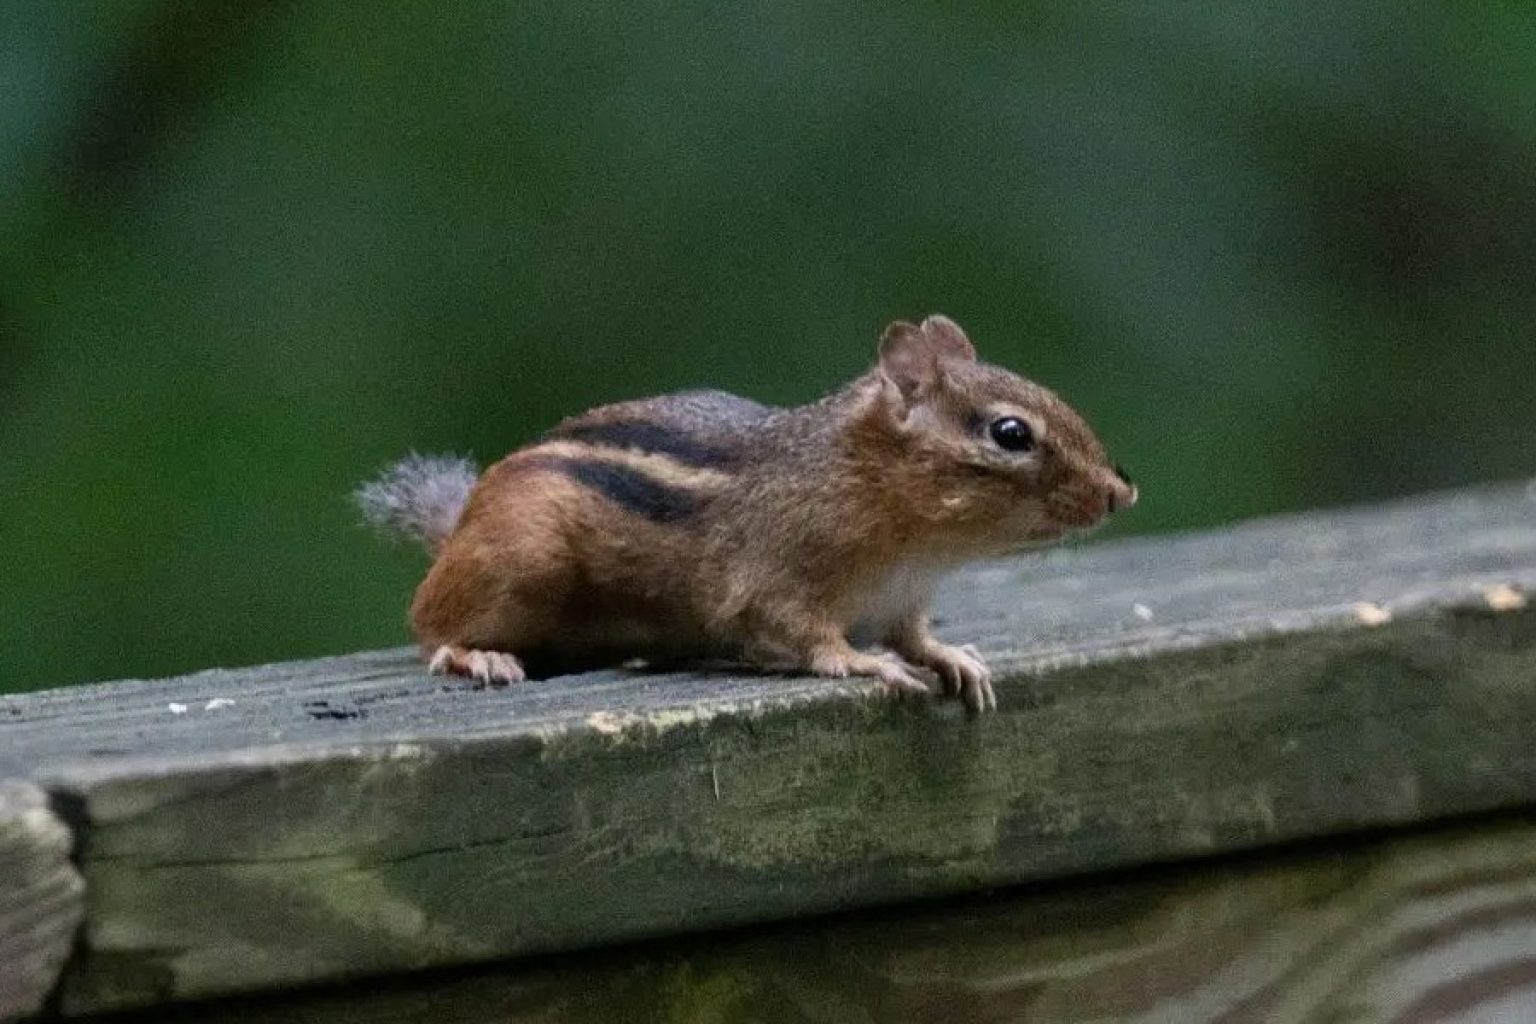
(481, 605)
(498, 586)
(836, 658)
(822, 648)
(486, 666)
(959, 668)
(469, 623)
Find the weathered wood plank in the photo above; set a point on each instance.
(1438, 927)
(41, 898)
(1159, 699)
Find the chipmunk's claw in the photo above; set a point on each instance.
(963, 674)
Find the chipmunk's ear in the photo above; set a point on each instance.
(907, 360)
(911, 357)
(947, 337)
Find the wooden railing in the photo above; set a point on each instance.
(1162, 699)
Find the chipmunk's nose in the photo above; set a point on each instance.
(1122, 493)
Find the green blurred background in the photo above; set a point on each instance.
(1281, 255)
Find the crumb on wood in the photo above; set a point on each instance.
(176, 709)
(1504, 598)
(1369, 614)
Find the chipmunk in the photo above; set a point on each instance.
(703, 525)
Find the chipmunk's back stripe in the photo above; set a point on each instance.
(652, 439)
(625, 486)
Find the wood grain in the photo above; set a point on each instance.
(1160, 699)
(41, 898)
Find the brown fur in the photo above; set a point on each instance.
(787, 528)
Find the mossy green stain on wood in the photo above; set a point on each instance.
(1428, 926)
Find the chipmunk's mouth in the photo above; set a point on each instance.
(1068, 515)
(1044, 541)
(1056, 533)
(1052, 526)
(1085, 507)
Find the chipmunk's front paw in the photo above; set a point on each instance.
(964, 673)
(898, 677)
(900, 680)
(497, 667)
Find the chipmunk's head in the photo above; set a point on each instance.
(1002, 459)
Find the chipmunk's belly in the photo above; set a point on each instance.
(902, 590)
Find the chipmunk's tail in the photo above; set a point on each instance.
(419, 498)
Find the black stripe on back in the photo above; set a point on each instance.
(653, 439)
(633, 490)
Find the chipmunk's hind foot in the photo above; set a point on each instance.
(496, 667)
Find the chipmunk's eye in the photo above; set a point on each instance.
(1012, 434)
